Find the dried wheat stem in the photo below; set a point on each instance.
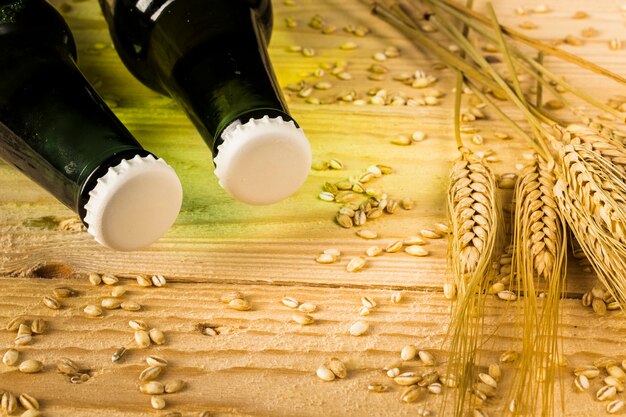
(474, 216)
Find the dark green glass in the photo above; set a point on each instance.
(210, 55)
(53, 125)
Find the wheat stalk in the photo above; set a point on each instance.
(540, 248)
(474, 216)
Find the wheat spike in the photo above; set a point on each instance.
(540, 249)
(591, 194)
(474, 216)
(599, 140)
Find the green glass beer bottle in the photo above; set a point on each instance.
(57, 130)
(211, 56)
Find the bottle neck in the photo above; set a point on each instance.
(223, 81)
(53, 126)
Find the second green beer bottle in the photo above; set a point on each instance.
(211, 56)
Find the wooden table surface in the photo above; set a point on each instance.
(262, 363)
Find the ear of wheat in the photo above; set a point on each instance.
(591, 194)
(540, 250)
(607, 146)
(474, 216)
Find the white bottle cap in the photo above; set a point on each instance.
(134, 203)
(262, 161)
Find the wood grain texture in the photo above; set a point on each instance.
(266, 366)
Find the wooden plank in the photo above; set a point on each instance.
(266, 364)
(218, 238)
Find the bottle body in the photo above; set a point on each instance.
(53, 125)
(211, 56)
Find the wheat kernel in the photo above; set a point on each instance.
(507, 295)
(396, 297)
(174, 386)
(95, 279)
(152, 388)
(356, 264)
(435, 388)
(130, 306)
(615, 44)
(142, 339)
(449, 291)
(154, 360)
(302, 318)
(144, 281)
(326, 258)
(118, 292)
(367, 234)
(30, 366)
(324, 373)
(604, 362)
(28, 402)
(63, 292)
(407, 378)
(8, 403)
(494, 371)
(394, 246)
(158, 280)
(430, 234)
(615, 406)
(408, 352)
(111, 303)
(109, 279)
(614, 382)
(364, 311)
(24, 339)
(138, 325)
(307, 307)
(348, 46)
(401, 140)
(239, 304)
(373, 251)
(616, 372)
(151, 373)
(416, 250)
(508, 356)
(10, 357)
(410, 394)
(488, 379)
(414, 240)
(337, 367)
(157, 402)
(427, 358)
(368, 302)
(92, 310)
(606, 393)
(157, 336)
(581, 383)
(376, 387)
(51, 302)
(359, 328)
(24, 329)
(290, 302)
